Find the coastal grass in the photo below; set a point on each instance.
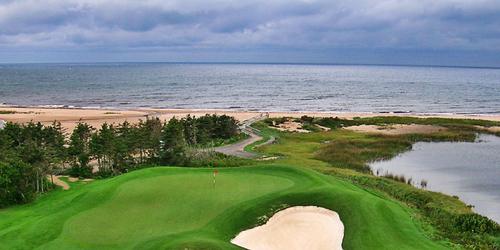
(447, 122)
(346, 155)
(463, 125)
(180, 208)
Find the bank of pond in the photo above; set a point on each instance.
(469, 170)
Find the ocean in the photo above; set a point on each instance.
(262, 87)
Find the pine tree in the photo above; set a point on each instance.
(79, 149)
(174, 143)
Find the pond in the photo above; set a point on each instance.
(469, 170)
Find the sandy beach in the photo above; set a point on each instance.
(69, 117)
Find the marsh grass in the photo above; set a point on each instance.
(356, 152)
(447, 122)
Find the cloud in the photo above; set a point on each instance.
(257, 24)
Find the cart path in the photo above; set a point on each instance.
(238, 149)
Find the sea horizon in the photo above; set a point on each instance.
(255, 63)
(264, 87)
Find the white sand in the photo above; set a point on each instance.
(298, 227)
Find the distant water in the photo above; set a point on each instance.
(265, 87)
(469, 170)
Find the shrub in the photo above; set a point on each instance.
(475, 223)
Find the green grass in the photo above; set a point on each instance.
(178, 208)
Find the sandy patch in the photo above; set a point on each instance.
(295, 228)
(57, 181)
(494, 129)
(291, 126)
(269, 158)
(323, 127)
(397, 129)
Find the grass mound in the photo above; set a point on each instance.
(179, 208)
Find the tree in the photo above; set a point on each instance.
(174, 143)
(190, 129)
(30, 152)
(79, 150)
(204, 129)
(55, 142)
(225, 126)
(124, 146)
(16, 182)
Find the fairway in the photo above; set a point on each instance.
(169, 207)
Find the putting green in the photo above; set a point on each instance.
(180, 208)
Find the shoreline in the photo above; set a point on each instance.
(70, 116)
(240, 109)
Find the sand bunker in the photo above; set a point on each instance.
(295, 228)
(397, 129)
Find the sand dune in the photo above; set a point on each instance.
(301, 227)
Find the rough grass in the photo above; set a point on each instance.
(178, 208)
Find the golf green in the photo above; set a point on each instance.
(170, 207)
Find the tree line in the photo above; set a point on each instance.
(31, 152)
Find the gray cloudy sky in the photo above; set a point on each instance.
(455, 32)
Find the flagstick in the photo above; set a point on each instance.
(215, 173)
